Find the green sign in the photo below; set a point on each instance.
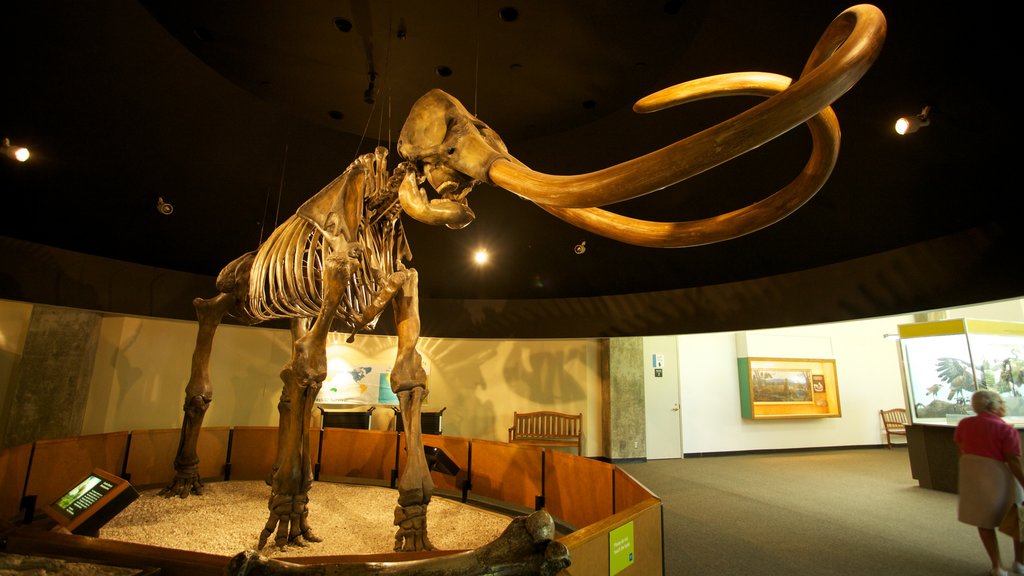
(620, 549)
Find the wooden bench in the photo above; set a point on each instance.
(895, 421)
(547, 429)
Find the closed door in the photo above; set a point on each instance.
(661, 398)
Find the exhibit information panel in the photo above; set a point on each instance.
(92, 502)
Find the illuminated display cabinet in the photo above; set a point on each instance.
(945, 361)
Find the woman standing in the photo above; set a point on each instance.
(991, 475)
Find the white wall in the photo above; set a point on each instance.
(868, 373)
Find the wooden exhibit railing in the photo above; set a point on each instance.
(588, 498)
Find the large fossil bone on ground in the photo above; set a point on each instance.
(526, 547)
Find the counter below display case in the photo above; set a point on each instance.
(934, 457)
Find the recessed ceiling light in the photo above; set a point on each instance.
(508, 14)
(202, 34)
(343, 24)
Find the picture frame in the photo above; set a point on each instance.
(775, 388)
(785, 385)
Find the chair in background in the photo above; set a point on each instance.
(895, 421)
(357, 419)
(430, 422)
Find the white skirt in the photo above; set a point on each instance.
(987, 491)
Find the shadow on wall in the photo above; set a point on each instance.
(543, 377)
(458, 383)
(8, 367)
(129, 376)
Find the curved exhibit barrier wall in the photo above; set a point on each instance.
(588, 499)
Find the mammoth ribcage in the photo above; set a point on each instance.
(286, 280)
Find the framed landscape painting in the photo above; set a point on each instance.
(788, 388)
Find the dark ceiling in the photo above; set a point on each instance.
(236, 112)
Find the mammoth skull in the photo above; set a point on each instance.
(445, 145)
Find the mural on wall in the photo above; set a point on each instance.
(360, 385)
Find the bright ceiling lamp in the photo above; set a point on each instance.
(910, 124)
(15, 152)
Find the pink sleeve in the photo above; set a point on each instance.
(1011, 444)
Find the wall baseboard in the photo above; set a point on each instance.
(783, 450)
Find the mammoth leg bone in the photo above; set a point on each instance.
(198, 395)
(303, 376)
(408, 381)
(525, 548)
(389, 288)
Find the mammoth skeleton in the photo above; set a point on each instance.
(341, 257)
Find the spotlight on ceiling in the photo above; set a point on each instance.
(164, 208)
(910, 124)
(580, 248)
(14, 152)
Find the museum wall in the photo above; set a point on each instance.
(142, 364)
(868, 371)
(14, 322)
(964, 268)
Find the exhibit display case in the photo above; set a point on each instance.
(788, 388)
(945, 361)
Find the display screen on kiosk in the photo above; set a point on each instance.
(84, 496)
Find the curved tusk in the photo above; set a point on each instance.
(824, 129)
(842, 56)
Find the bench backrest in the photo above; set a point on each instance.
(895, 419)
(546, 425)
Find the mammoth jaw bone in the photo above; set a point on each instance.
(846, 50)
(453, 214)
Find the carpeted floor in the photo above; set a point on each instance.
(837, 512)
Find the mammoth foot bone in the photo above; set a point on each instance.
(185, 482)
(412, 529)
(525, 547)
(288, 514)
